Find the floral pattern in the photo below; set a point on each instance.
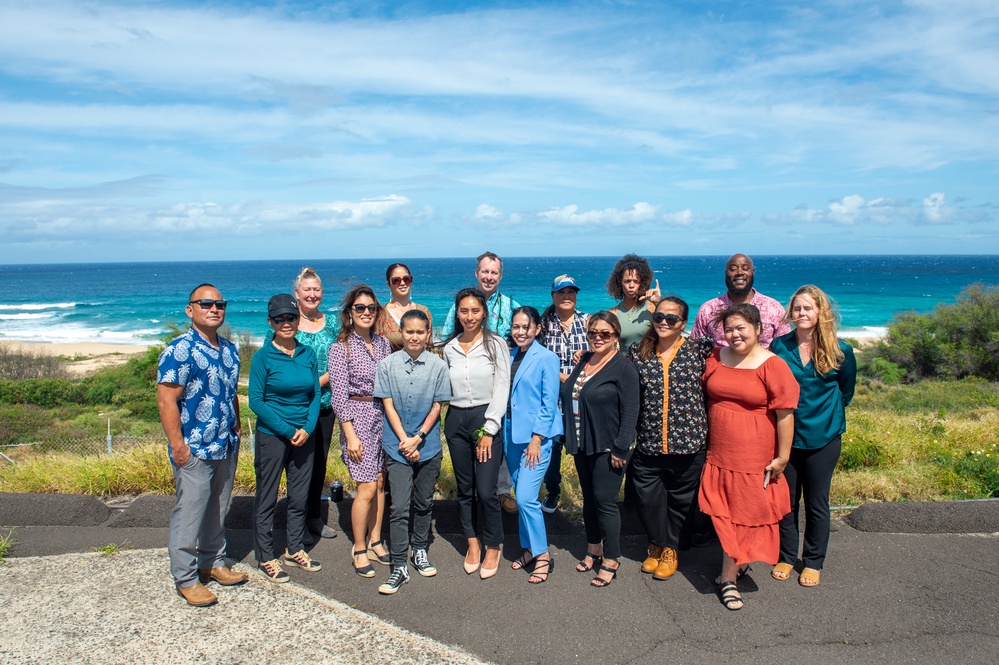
(687, 420)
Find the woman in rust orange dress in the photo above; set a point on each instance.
(751, 400)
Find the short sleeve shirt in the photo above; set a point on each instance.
(565, 344)
(208, 405)
(413, 386)
(771, 319)
(320, 342)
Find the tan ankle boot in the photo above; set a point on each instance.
(223, 575)
(652, 561)
(197, 595)
(667, 564)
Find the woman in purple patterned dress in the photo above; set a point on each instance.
(352, 361)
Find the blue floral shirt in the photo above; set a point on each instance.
(208, 404)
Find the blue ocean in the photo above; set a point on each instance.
(131, 303)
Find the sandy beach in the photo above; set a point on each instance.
(84, 357)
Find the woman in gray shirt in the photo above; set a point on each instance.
(479, 368)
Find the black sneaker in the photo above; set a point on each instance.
(395, 581)
(550, 503)
(422, 563)
(272, 571)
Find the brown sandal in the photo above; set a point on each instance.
(782, 571)
(809, 577)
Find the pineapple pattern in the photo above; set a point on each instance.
(209, 377)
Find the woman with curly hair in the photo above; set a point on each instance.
(352, 361)
(826, 370)
(630, 282)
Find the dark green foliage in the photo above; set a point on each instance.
(885, 371)
(131, 386)
(979, 466)
(953, 342)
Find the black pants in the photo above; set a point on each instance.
(273, 456)
(412, 491)
(601, 483)
(666, 490)
(476, 480)
(321, 437)
(553, 476)
(809, 475)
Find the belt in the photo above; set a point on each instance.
(362, 398)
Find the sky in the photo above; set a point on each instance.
(152, 131)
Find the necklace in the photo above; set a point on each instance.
(627, 312)
(315, 318)
(596, 368)
(287, 352)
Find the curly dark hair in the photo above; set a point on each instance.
(628, 262)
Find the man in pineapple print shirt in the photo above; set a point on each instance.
(196, 394)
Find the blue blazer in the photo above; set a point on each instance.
(534, 396)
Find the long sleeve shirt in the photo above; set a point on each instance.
(477, 378)
(821, 413)
(284, 390)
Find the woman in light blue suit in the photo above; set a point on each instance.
(532, 420)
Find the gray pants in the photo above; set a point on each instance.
(274, 455)
(412, 486)
(504, 484)
(197, 521)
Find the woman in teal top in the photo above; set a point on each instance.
(284, 395)
(317, 331)
(826, 371)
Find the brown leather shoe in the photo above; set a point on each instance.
(197, 595)
(667, 564)
(652, 561)
(223, 575)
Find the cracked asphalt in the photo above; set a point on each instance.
(889, 593)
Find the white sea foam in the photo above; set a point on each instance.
(76, 334)
(25, 316)
(866, 332)
(34, 306)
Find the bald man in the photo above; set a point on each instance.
(739, 274)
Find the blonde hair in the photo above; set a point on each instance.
(307, 273)
(827, 353)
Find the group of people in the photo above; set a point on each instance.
(732, 426)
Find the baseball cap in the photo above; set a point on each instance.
(282, 303)
(563, 281)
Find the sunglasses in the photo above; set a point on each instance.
(207, 303)
(670, 319)
(361, 309)
(601, 334)
(284, 318)
(405, 279)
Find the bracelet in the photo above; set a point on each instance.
(422, 435)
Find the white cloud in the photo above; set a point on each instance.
(854, 210)
(570, 216)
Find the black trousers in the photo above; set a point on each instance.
(412, 491)
(809, 475)
(476, 480)
(601, 483)
(666, 491)
(321, 437)
(553, 476)
(275, 455)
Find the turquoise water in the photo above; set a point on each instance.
(132, 302)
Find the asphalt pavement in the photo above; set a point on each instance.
(902, 583)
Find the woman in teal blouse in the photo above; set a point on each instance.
(826, 370)
(317, 331)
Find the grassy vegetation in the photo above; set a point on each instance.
(6, 542)
(933, 440)
(16, 365)
(112, 549)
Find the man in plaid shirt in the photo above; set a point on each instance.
(563, 332)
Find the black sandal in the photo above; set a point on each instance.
(743, 572)
(524, 561)
(730, 596)
(366, 571)
(384, 559)
(542, 569)
(581, 567)
(600, 582)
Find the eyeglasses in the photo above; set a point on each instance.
(286, 318)
(670, 319)
(207, 303)
(601, 334)
(361, 309)
(405, 279)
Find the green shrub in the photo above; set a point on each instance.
(16, 364)
(885, 371)
(953, 342)
(41, 392)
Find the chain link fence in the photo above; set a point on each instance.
(84, 446)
